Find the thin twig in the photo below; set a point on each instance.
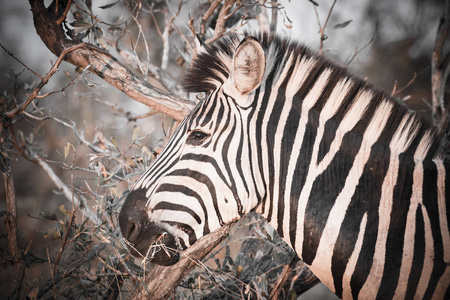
(65, 238)
(147, 50)
(395, 91)
(18, 109)
(207, 15)
(357, 51)
(61, 275)
(322, 28)
(63, 17)
(20, 62)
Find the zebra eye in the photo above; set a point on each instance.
(196, 137)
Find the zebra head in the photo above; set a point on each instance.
(192, 188)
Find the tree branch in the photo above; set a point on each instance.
(105, 66)
(161, 281)
(440, 69)
(18, 264)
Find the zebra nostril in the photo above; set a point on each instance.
(133, 231)
(132, 215)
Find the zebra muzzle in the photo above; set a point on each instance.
(144, 238)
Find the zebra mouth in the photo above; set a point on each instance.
(146, 239)
(154, 245)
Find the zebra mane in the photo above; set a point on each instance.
(211, 68)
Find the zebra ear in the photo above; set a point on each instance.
(249, 63)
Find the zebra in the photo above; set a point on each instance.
(350, 178)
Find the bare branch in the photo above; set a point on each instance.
(323, 37)
(12, 230)
(106, 66)
(284, 276)
(18, 109)
(161, 281)
(223, 14)
(440, 69)
(63, 17)
(357, 51)
(60, 276)
(207, 15)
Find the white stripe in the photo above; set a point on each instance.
(329, 110)
(301, 71)
(400, 142)
(428, 262)
(324, 253)
(442, 285)
(442, 206)
(308, 102)
(279, 135)
(349, 121)
(408, 247)
(351, 265)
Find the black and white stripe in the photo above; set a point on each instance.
(349, 177)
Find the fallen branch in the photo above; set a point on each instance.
(161, 281)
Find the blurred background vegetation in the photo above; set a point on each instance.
(86, 141)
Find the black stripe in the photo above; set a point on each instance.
(259, 124)
(324, 193)
(286, 147)
(271, 131)
(228, 119)
(430, 195)
(187, 229)
(239, 155)
(365, 200)
(252, 152)
(225, 155)
(418, 256)
(396, 234)
(202, 178)
(213, 162)
(176, 208)
(191, 193)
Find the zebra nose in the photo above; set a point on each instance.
(145, 238)
(133, 215)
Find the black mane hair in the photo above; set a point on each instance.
(211, 68)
